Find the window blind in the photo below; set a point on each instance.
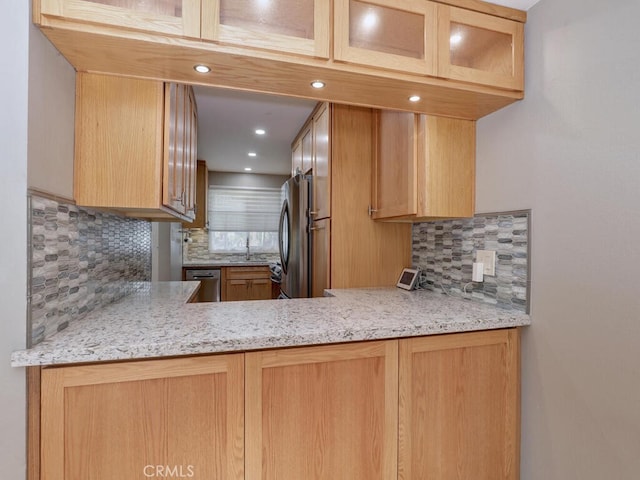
(244, 209)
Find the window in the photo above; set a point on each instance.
(238, 214)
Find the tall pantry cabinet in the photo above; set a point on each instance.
(349, 249)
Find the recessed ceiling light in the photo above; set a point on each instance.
(252, 154)
(260, 131)
(247, 169)
(317, 84)
(414, 98)
(202, 68)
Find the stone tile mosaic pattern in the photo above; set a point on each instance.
(81, 260)
(198, 251)
(445, 251)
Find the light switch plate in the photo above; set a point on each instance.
(488, 259)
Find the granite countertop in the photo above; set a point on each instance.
(155, 321)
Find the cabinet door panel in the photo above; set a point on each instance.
(395, 34)
(321, 251)
(307, 149)
(174, 17)
(321, 163)
(479, 48)
(395, 165)
(121, 420)
(296, 158)
(294, 26)
(459, 406)
(322, 412)
(260, 289)
(237, 290)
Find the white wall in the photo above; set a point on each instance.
(14, 28)
(166, 254)
(571, 152)
(51, 118)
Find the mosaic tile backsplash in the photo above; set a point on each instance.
(198, 251)
(445, 251)
(80, 260)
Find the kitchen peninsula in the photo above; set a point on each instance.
(157, 321)
(379, 383)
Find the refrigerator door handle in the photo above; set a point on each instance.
(284, 236)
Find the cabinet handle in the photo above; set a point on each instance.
(316, 228)
(312, 213)
(372, 210)
(182, 198)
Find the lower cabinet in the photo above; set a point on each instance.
(459, 406)
(246, 283)
(443, 407)
(327, 412)
(157, 418)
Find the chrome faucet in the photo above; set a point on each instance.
(248, 256)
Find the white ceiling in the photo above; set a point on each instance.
(227, 121)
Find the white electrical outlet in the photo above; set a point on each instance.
(488, 259)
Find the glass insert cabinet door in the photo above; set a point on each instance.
(395, 34)
(294, 26)
(480, 48)
(173, 17)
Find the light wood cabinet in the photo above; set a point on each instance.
(246, 283)
(302, 150)
(459, 406)
(180, 145)
(424, 167)
(359, 252)
(320, 257)
(369, 52)
(441, 407)
(394, 34)
(124, 420)
(321, 162)
(322, 412)
(478, 48)
(202, 190)
(296, 157)
(300, 27)
(170, 17)
(364, 253)
(135, 147)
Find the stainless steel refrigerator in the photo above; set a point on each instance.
(294, 238)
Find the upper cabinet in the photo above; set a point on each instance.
(461, 62)
(135, 147)
(393, 34)
(295, 26)
(480, 48)
(424, 167)
(202, 190)
(173, 17)
(310, 154)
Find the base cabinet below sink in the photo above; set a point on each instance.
(246, 283)
(441, 407)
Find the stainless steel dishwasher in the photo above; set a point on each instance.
(209, 283)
